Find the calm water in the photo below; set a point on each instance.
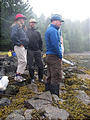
(85, 63)
(82, 58)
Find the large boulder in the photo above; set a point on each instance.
(39, 102)
(15, 116)
(54, 113)
(83, 97)
(4, 102)
(8, 66)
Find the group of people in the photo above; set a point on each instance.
(27, 46)
(27, 43)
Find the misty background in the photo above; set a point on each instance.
(76, 33)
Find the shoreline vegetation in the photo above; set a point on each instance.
(72, 96)
(74, 53)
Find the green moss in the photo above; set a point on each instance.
(17, 102)
(72, 104)
(75, 108)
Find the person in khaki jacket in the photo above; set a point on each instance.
(20, 41)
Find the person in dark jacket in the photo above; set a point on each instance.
(20, 42)
(53, 55)
(34, 51)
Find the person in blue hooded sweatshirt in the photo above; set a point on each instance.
(20, 43)
(53, 55)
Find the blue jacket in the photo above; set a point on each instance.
(53, 44)
(18, 36)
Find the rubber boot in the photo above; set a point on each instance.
(40, 74)
(31, 72)
(47, 86)
(54, 89)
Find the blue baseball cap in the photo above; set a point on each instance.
(57, 17)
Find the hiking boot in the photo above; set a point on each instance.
(19, 78)
(54, 89)
(47, 86)
(32, 80)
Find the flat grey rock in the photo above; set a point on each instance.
(36, 104)
(83, 97)
(27, 114)
(56, 98)
(33, 87)
(15, 116)
(4, 102)
(39, 101)
(56, 113)
(46, 95)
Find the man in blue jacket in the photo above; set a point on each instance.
(53, 55)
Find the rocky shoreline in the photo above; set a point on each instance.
(24, 101)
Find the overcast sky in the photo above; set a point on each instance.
(72, 9)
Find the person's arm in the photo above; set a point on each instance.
(61, 40)
(62, 45)
(55, 43)
(14, 35)
(40, 42)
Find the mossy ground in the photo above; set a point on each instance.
(72, 104)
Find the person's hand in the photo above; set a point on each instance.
(60, 60)
(21, 46)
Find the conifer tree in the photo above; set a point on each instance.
(9, 8)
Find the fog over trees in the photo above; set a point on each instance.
(76, 34)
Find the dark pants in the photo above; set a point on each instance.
(54, 74)
(35, 57)
(54, 69)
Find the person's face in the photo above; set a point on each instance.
(32, 24)
(22, 21)
(58, 23)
